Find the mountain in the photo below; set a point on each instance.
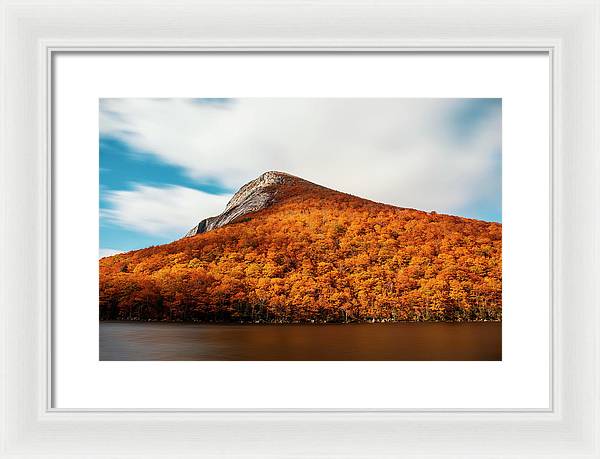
(253, 196)
(288, 250)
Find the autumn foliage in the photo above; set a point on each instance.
(314, 255)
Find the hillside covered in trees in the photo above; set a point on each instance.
(312, 254)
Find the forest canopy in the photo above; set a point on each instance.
(316, 255)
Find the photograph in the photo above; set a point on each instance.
(300, 229)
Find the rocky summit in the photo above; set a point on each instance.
(252, 197)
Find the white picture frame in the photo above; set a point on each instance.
(33, 31)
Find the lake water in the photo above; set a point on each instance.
(391, 341)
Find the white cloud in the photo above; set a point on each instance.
(398, 151)
(168, 211)
(108, 252)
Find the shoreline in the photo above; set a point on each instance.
(192, 322)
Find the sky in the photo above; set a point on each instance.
(166, 164)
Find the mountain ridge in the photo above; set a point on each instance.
(288, 250)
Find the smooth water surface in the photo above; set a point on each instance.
(391, 341)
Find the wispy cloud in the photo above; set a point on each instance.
(440, 154)
(166, 211)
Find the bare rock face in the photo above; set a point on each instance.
(253, 196)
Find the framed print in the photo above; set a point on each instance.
(299, 230)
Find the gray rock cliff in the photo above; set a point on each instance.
(253, 196)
